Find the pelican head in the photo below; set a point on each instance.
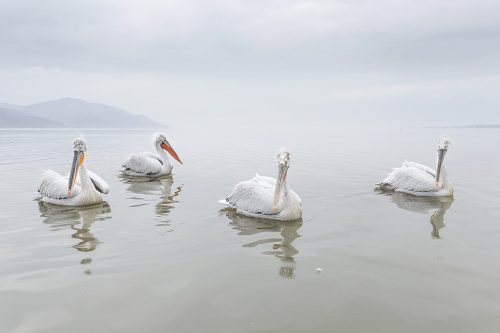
(79, 149)
(283, 158)
(161, 142)
(442, 148)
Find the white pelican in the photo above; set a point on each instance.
(266, 197)
(70, 191)
(420, 180)
(150, 164)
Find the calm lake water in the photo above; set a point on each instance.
(163, 256)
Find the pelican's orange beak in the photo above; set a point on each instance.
(75, 166)
(171, 151)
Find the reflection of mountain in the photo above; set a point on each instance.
(62, 217)
(280, 246)
(435, 206)
(152, 189)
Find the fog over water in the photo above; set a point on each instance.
(378, 62)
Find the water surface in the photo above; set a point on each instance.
(163, 255)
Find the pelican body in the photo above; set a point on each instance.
(81, 188)
(420, 180)
(150, 164)
(266, 197)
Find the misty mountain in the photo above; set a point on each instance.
(72, 113)
(76, 113)
(17, 119)
(10, 106)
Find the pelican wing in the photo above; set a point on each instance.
(421, 167)
(153, 156)
(98, 182)
(253, 196)
(144, 163)
(55, 186)
(411, 179)
(266, 179)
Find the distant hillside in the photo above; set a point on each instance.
(10, 106)
(18, 119)
(483, 126)
(76, 113)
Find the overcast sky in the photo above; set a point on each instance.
(415, 62)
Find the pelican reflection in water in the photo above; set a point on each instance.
(280, 246)
(79, 219)
(435, 206)
(157, 190)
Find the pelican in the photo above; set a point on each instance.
(420, 180)
(266, 197)
(69, 190)
(150, 164)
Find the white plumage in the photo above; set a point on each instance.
(55, 186)
(253, 196)
(145, 163)
(266, 197)
(151, 164)
(82, 187)
(411, 178)
(420, 180)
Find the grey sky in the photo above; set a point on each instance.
(408, 61)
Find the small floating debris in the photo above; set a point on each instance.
(319, 270)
